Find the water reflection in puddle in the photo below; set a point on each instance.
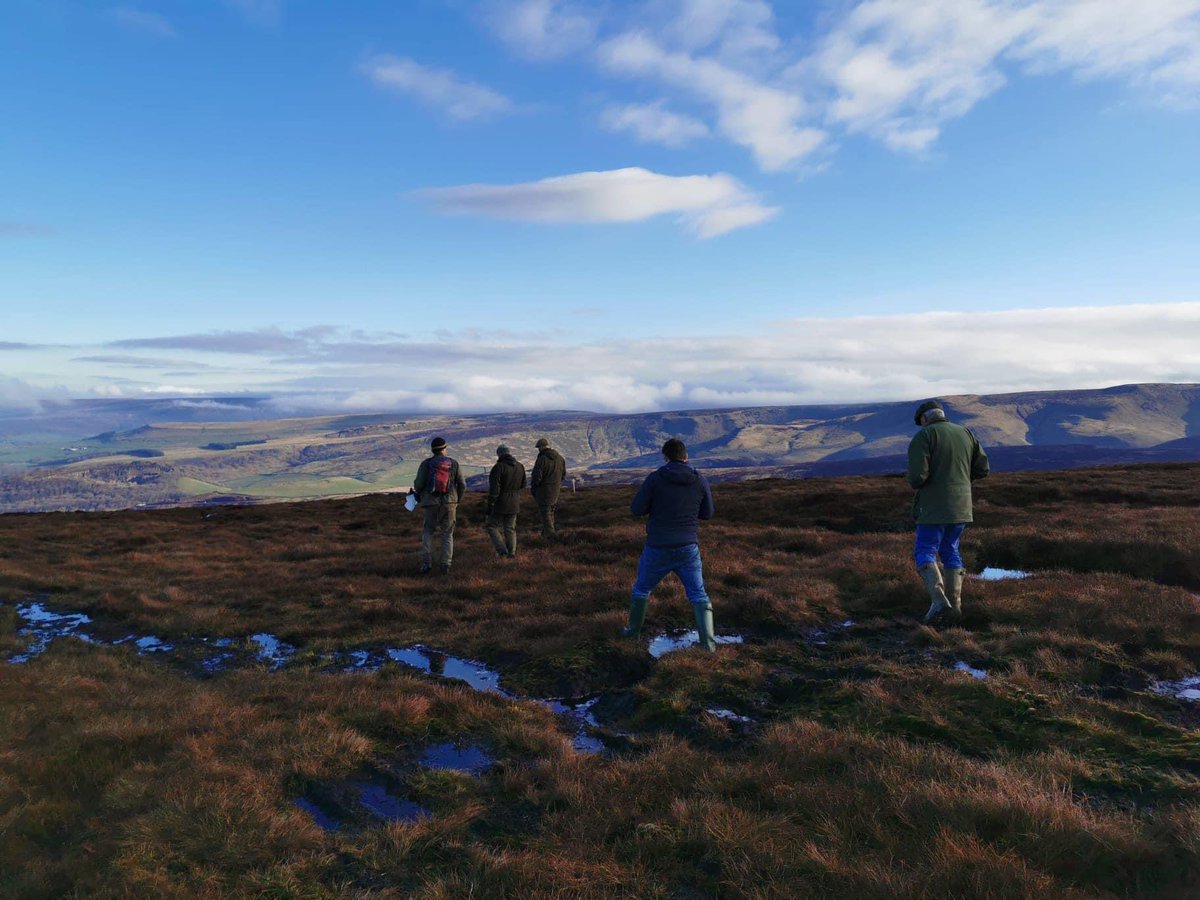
(43, 626)
(991, 573)
(668, 643)
(325, 821)
(475, 674)
(1184, 689)
(382, 804)
(271, 649)
(472, 759)
(979, 674)
(579, 712)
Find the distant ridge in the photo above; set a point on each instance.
(157, 462)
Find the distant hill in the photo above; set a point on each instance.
(156, 462)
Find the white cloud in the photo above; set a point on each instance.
(17, 396)
(899, 69)
(737, 29)
(895, 70)
(438, 88)
(653, 123)
(708, 205)
(1152, 42)
(765, 119)
(140, 20)
(543, 29)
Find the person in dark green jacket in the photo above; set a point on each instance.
(505, 483)
(943, 460)
(548, 474)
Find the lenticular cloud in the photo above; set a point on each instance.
(707, 205)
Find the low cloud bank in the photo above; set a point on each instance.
(803, 360)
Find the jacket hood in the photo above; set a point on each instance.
(508, 459)
(550, 452)
(679, 473)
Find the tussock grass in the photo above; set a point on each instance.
(872, 768)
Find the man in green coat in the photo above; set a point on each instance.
(505, 483)
(548, 474)
(943, 460)
(439, 486)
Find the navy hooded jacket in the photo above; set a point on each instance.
(675, 497)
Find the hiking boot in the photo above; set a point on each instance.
(932, 577)
(704, 627)
(426, 569)
(954, 585)
(443, 570)
(637, 615)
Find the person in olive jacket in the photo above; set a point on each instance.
(548, 474)
(439, 486)
(943, 460)
(505, 483)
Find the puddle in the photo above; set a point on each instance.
(581, 715)
(272, 650)
(992, 573)
(43, 626)
(471, 759)
(327, 822)
(667, 643)
(382, 804)
(211, 656)
(979, 674)
(730, 716)
(1184, 689)
(151, 644)
(475, 674)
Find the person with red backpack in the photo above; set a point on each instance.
(439, 486)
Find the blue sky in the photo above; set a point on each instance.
(447, 204)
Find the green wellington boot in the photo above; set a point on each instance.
(704, 627)
(954, 584)
(932, 577)
(637, 615)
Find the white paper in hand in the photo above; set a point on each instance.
(410, 502)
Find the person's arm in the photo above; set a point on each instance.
(706, 502)
(493, 487)
(460, 483)
(538, 473)
(918, 460)
(980, 467)
(642, 499)
(422, 479)
(522, 468)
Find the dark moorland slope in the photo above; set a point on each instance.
(848, 755)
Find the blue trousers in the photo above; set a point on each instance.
(658, 562)
(935, 540)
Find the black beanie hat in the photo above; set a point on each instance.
(438, 443)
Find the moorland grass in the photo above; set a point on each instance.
(871, 768)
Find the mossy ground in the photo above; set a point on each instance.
(871, 767)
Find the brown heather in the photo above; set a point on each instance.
(872, 770)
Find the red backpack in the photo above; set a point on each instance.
(439, 474)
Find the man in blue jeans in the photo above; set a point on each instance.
(943, 460)
(675, 497)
